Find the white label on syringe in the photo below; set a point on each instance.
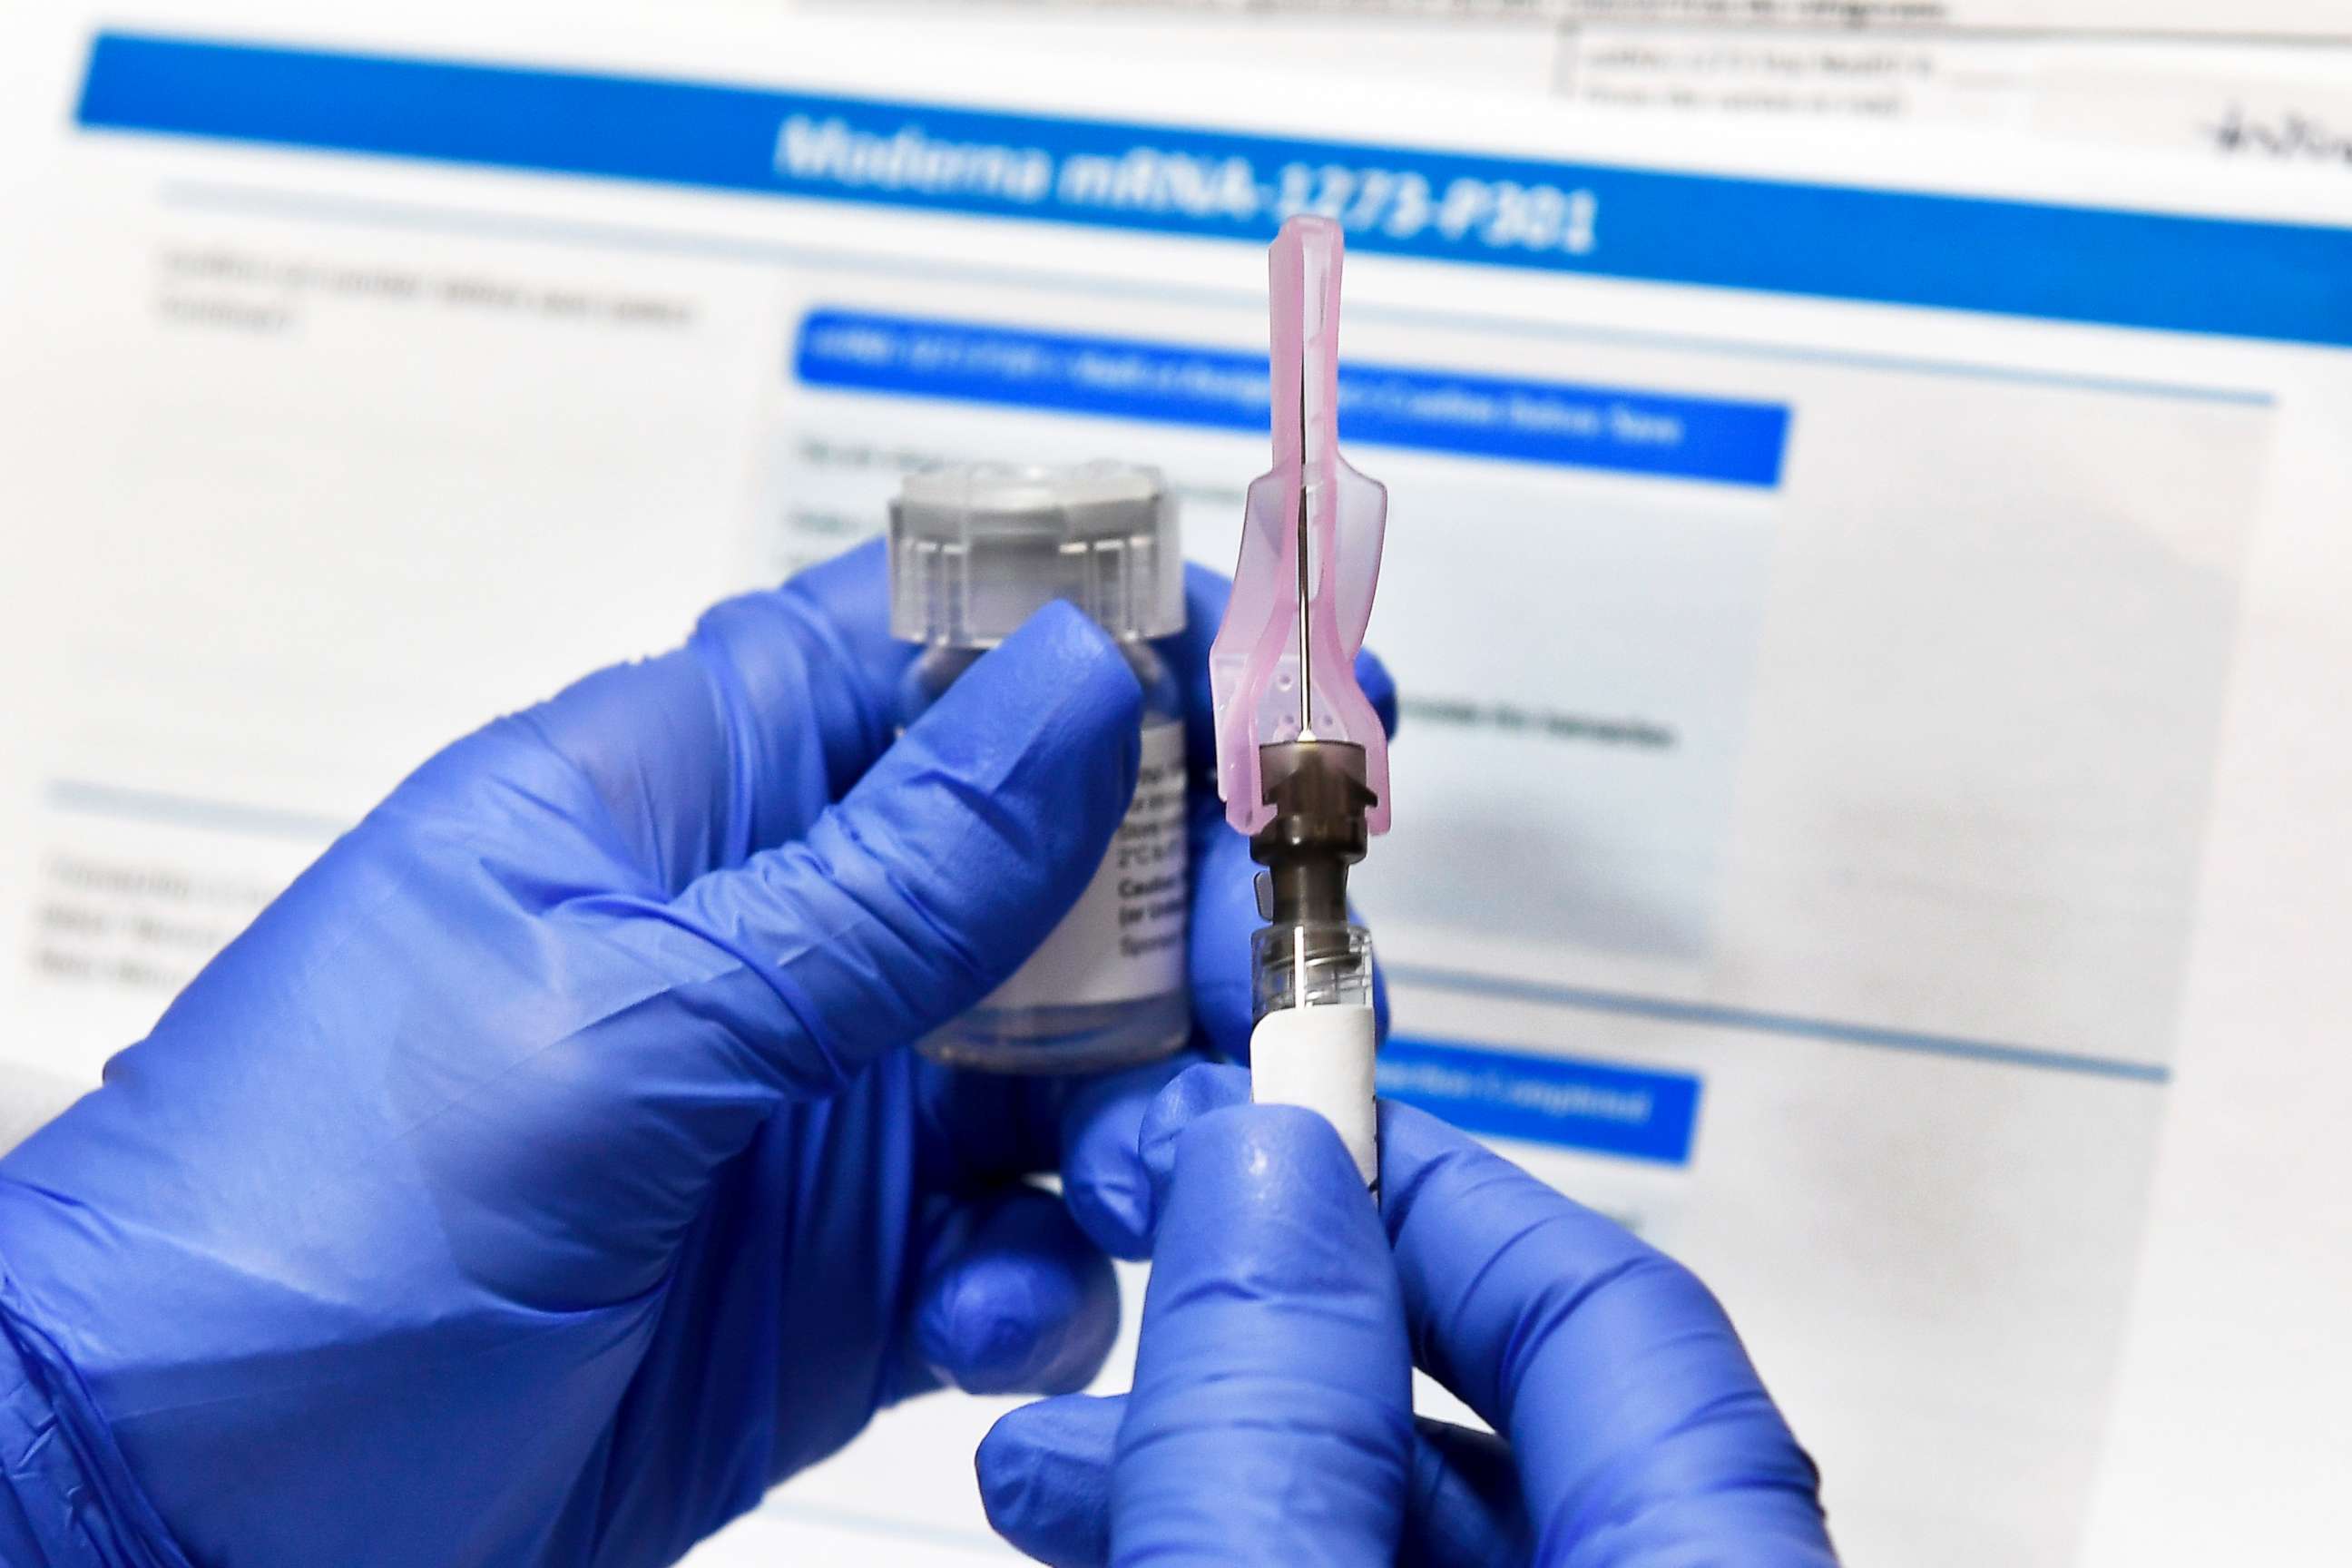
(1321, 1057)
(1124, 939)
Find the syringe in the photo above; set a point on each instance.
(1302, 758)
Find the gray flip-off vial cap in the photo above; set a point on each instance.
(977, 548)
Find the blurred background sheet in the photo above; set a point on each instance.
(1868, 607)
(2268, 81)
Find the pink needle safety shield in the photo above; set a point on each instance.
(1268, 682)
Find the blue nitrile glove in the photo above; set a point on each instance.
(1634, 1430)
(1271, 1419)
(538, 1179)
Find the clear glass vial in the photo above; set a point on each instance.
(975, 550)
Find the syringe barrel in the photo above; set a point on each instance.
(1316, 1033)
(1311, 965)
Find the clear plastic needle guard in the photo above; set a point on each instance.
(1283, 663)
(1302, 760)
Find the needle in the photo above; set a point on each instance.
(1306, 670)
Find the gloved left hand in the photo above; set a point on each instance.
(537, 1181)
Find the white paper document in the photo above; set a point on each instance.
(1870, 808)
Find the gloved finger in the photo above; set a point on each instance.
(1108, 1191)
(1624, 1392)
(1044, 1478)
(976, 1131)
(1045, 1474)
(1380, 689)
(916, 895)
(1225, 916)
(1013, 1299)
(1125, 1164)
(1189, 1096)
(1467, 1505)
(1616, 1378)
(1271, 1416)
(779, 702)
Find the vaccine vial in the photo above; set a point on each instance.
(975, 550)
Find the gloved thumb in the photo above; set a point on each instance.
(929, 882)
(1271, 1419)
(688, 1020)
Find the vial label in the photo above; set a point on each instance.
(1124, 939)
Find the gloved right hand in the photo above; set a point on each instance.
(1268, 1419)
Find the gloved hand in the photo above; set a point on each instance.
(1269, 1421)
(538, 1180)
